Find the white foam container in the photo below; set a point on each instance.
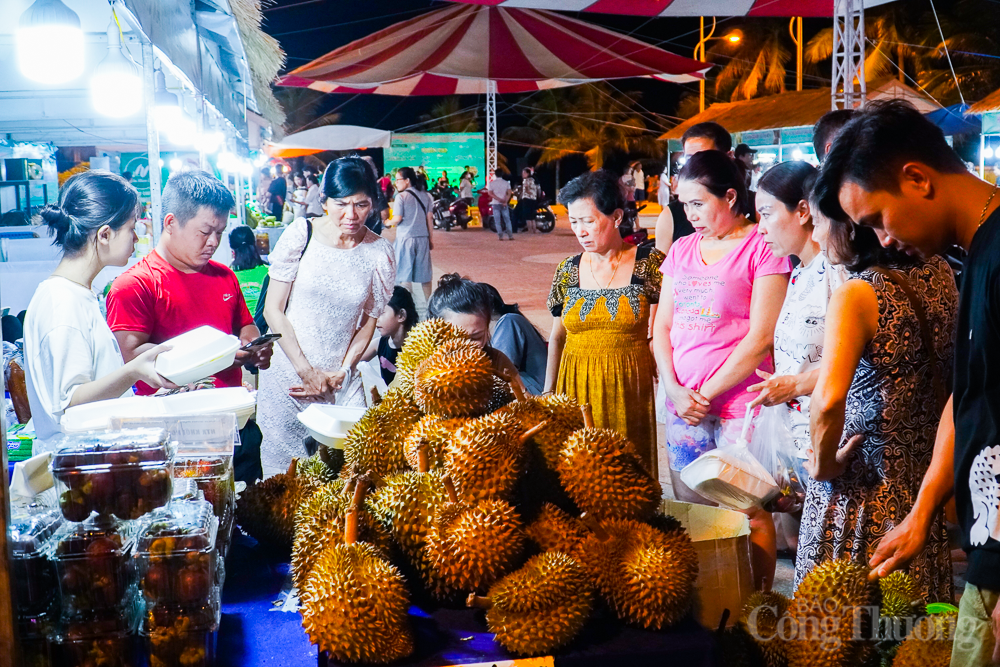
(197, 354)
(329, 424)
(729, 480)
(98, 415)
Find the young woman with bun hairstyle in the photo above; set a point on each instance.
(71, 357)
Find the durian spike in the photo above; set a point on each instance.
(588, 415)
(423, 459)
(595, 526)
(533, 430)
(478, 602)
(351, 515)
(449, 486)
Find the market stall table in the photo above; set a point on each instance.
(254, 633)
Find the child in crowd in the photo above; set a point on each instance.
(399, 316)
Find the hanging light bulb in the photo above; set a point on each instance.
(166, 107)
(176, 165)
(988, 153)
(50, 42)
(208, 141)
(797, 154)
(116, 88)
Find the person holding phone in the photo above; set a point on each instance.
(71, 357)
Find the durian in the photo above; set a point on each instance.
(314, 472)
(485, 458)
(602, 474)
(645, 575)
(266, 510)
(540, 607)
(829, 612)
(436, 432)
(501, 395)
(375, 443)
(471, 546)
(405, 504)
(455, 381)
(761, 613)
(423, 340)
(319, 522)
(900, 596)
(555, 530)
(737, 648)
(929, 644)
(354, 603)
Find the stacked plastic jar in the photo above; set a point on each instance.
(176, 562)
(33, 576)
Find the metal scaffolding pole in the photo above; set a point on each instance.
(152, 145)
(848, 88)
(491, 127)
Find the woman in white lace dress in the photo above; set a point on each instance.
(330, 279)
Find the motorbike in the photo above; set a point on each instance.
(545, 217)
(449, 210)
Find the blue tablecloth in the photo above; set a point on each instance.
(252, 635)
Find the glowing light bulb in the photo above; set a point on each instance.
(797, 154)
(988, 153)
(176, 164)
(115, 87)
(50, 43)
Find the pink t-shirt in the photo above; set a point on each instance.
(712, 312)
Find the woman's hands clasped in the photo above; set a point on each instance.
(318, 386)
(689, 405)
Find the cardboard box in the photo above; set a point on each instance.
(722, 539)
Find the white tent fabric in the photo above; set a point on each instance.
(333, 138)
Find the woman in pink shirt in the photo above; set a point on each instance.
(721, 296)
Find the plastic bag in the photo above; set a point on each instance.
(731, 475)
(774, 447)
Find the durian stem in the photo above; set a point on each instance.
(449, 486)
(351, 515)
(517, 388)
(532, 431)
(423, 459)
(595, 526)
(292, 467)
(478, 602)
(376, 397)
(588, 415)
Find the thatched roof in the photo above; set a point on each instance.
(990, 103)
(264, 57)
(792, 109)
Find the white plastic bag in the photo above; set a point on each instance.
(774, 447)
(731, 475)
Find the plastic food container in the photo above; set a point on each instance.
(125, 473)
(197, 354)
(212, 401)
(100, 639)
(101, 415)
(329, 424)
(175, 552)
(214, 478)
(33, 574)
(93, 567)
(32, 633)
(180, 635)
(730, 479)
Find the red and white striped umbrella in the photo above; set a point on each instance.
(459, 48)
(809, 8)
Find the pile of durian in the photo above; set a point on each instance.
(829, 623)
(459, 488)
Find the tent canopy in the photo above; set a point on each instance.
(329, 138)
(462, 47)
(807, 8)
(989, 104)
(793, 109)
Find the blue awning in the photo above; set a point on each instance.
(952, 120)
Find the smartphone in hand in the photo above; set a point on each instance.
(266, 339)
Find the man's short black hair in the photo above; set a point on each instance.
(710, 130)
(601, 187)
(872, 148)
(185, 193)
(827, 126)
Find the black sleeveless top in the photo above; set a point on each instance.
(387, 359)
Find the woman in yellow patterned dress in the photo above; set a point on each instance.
(603, 301)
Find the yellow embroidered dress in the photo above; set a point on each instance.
(606, 361)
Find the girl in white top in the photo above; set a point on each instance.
(787, 224)
(314, 202)
(71, 357)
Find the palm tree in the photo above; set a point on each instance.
(301, 106)
(449, 116)
(757, 65)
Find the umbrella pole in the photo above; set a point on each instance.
(491, 127)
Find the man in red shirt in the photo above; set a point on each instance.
(178, 287)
